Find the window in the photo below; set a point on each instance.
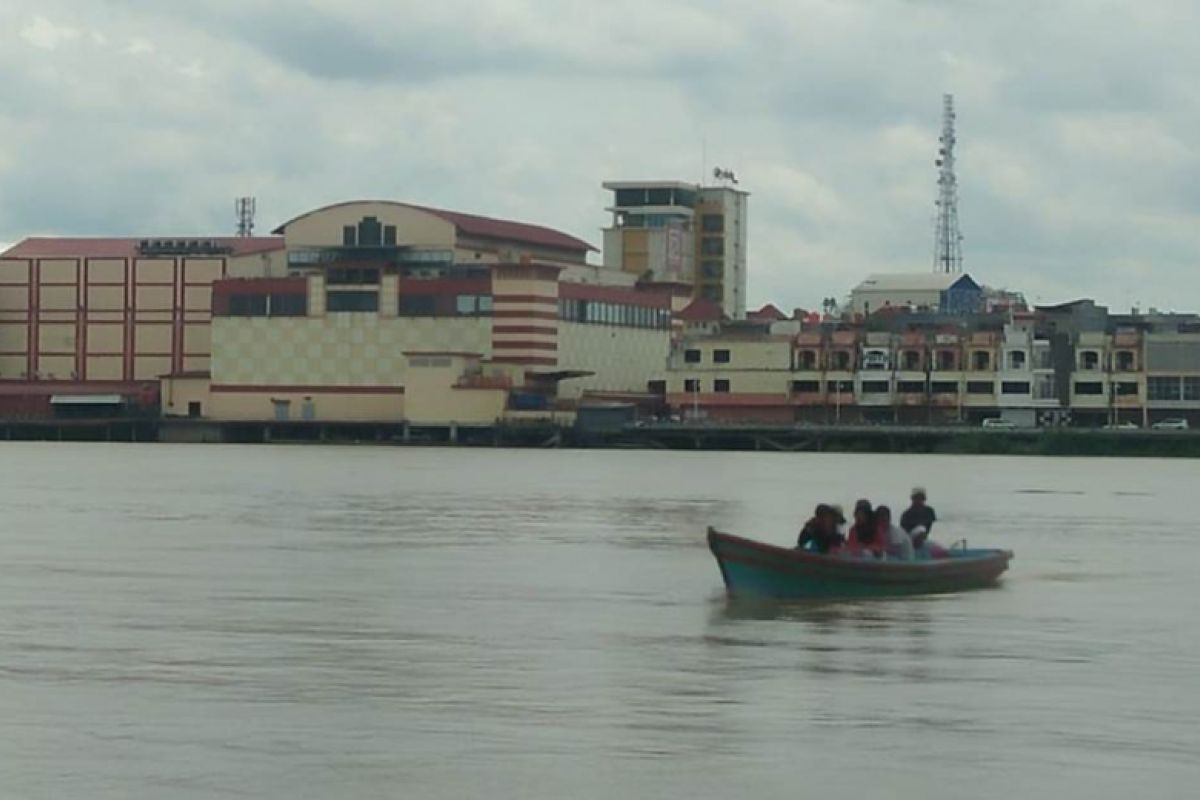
(712, 223)
(841, 360)
(712, 246)
(806, 387)
(248, 305)
(418, 305)
(1014, 387)
(981, 360)
(351, 275)
(1044, 388)
(1089, 360)
(912, 360)
(1130, 389)
(711, 269)
(1191, 388)
(349, 236)
(691, 356)
(910, 387)
(840, 386)
(630, 197)
(875, 387)
(944, 387)
(691, 385)
(194, 409)
(711, 293)
(389, 235)
(1159, 387)
(807, 359)
(980, 387)
(1089, 387)
(1125, 361)
(352, 301)
(472, 305)
(370, 232)
(720, 356)
(946, 360)
(658, 197)
(721, 385)
(1016, 359)
(656, 387)
(288, 305)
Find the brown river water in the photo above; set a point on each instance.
(319, 622)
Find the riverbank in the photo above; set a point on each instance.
(665, 436)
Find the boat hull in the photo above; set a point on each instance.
(755, 569)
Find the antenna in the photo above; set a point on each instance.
(947, 251)
(244, 208)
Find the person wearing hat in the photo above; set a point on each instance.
(820, 534)
(917, 520)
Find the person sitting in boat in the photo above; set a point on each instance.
(918, 515)
(862, 540)
(820, 534)
(895, 542)
(917, 520)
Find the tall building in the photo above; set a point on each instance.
(677, 232)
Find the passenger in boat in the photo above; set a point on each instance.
(918, 520)
(820, 534)
(895, 542)
(863, 540)
(918, 515)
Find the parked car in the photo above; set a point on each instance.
(1121, 426)
(999, 422)
(1171, 424)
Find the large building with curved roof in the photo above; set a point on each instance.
(327, 308)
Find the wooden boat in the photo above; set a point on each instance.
(756, 569)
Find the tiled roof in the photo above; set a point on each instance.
(768, 313)
(701, 310)
(77, 247)
(474, 225)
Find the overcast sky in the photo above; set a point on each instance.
(1079, 164)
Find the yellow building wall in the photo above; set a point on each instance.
(337, 350)
(624, 359)
(178, 393)
(413, 227)
(105, 298)
(105, 368)
(431, 399)
(340, 407)
(106, 270)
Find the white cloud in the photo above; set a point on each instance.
(1078, 159)
(41, 32)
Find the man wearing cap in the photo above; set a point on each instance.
(917, 520)
(820, 534)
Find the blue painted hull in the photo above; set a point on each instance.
(755, 569)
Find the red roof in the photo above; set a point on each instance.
(768, 313)
(127, 247)
(474, 225)
(701, 310)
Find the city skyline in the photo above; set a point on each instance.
(1074, 156)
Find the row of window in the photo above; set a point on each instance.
(718, 356)
(445, 305)
(266, 305)
(664, 196)
(370, 232)
(1172, 387)
(621, 314)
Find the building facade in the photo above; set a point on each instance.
(671, 231)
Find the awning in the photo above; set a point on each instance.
(86, 400)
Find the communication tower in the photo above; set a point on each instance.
(244, 208)
(947, 250)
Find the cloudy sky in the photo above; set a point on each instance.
(1079, 124)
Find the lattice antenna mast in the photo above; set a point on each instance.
(244, 208)
(947, 252)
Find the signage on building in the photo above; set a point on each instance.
(674, 259)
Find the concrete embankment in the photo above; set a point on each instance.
(676, 436)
